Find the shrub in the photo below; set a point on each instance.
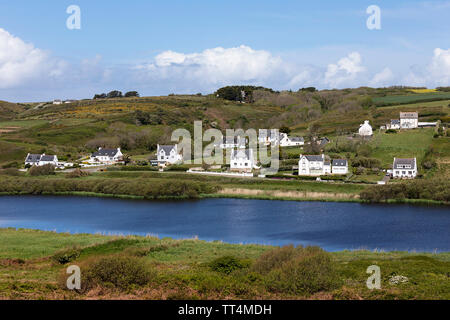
(435, 189)
(77, 173)
(366, 162)
(271, 259)
(310, 270)
(227, 264)
(122, 272)
(67, 255)
(10, 171)
(391, 131)
(44, 170)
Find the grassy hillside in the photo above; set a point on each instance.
(137, 125)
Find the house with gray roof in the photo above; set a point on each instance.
(286, 141)
(311, 165)
(230, 142)
(394, 124)
(106, 156)
(409, 120)
(168, 154)
(268, 136)
(317, 165)
(339, 166)
(404, 168)
(242, 160)
(41, 159)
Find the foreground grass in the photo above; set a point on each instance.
(181, 269)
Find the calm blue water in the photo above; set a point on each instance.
(333, 226)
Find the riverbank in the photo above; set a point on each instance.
(155, 185)
(33, 264)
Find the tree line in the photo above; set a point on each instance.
(116, 94)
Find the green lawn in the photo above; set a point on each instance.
(403, 144)
(181, 269)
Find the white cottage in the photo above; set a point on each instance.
(286, 141)
(316, 165)
(242, 160)
(41, 160)
(311, 165)
(365, 130)
(409, 120)
(394, 124)
(404, 168)
(232, 142)
(106, 156)
(268, 136)
(339, 166)
(168, 154)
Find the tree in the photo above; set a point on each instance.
(285, 129)
(100, 96)
(308, 89)
(132, 94)
(239, 93)
(114, 94)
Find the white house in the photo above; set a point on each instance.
(404, 168)
(409, 120)
(365, 130)
(242, 160)
(106, 156)
(286, 141)
(268, 136)
(311, 165)
(316, 165)
(168, 154)
(339, 166)
(394, 124)
(232, 142)
(327, 167)
(41, 160)
(57, 101)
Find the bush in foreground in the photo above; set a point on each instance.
(297, 271)
(121, 272)
(66, 256)
(44, 170)
(227, 264)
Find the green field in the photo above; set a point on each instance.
(183, 269)
(411, 98)
(403, 144)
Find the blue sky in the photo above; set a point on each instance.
(194, 46)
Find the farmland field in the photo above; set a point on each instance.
(411, 98)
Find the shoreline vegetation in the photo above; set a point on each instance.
(33, 265)
(180, 186)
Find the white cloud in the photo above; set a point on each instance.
(215, 66)
(30, 73)
(440, 67)
(21, 62)
(345, 71)
(382, 78)
(436, 73)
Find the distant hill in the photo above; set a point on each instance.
(9, 110)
